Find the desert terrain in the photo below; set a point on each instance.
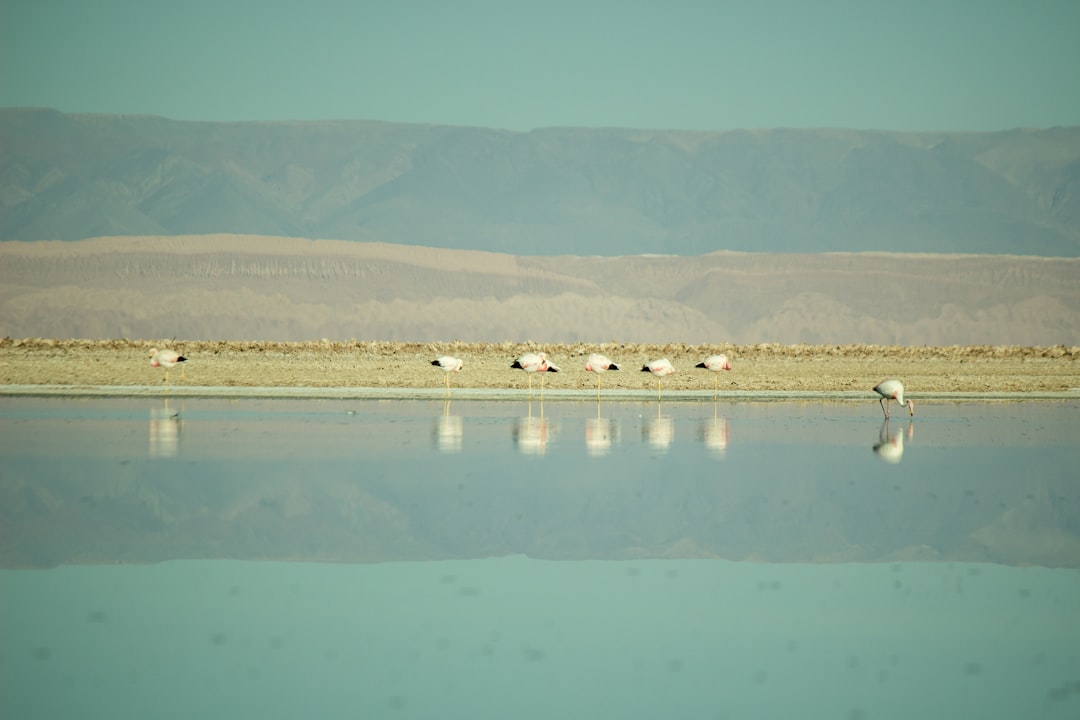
(257, 288)
(380, 364)
(252, 311)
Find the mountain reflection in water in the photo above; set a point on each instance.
(86, 481)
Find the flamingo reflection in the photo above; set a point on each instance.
(449, 431)
(599, 433)
(164, 431)
(531, 433)
(659, 431)
(715, 434)
(890, 445)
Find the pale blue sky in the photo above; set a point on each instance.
(688, 64)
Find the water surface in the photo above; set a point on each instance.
(497, 559)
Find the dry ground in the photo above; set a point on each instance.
(407, 365)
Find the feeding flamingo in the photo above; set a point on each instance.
(659, 368)
(892, 390)
(599, 364)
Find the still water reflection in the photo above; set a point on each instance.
(449, 431)
(890, 444)
(475, 559)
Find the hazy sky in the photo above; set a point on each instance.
(690, 64)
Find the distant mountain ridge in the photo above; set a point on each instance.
(569, 191)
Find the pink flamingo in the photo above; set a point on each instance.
(166, 359)
(599, 364)
(659, 368)
(534, 363)
(448, 364)
(892, 390)
(715, 363)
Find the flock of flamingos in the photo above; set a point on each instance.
(531, 363)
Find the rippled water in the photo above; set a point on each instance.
(272, 558)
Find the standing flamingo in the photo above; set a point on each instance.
(599, 364)
(715, 363)
(448, 364)
(534, 363)
(659, 368)
(892, 390)
(165, 359)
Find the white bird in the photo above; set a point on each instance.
(659, 368)
(534, 363)
(448, 364)
(715, 363)
(165, 359)
(892, 390)
(599, 364)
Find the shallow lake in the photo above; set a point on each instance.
(473, 559)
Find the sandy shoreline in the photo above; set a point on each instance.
(770, 368)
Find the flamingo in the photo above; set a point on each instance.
(166, 359)
(534, 363)
(659, 368)
(715, 363)
(599, 364)
(449, 364)
(892, 390)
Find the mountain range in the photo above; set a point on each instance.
(553, 191)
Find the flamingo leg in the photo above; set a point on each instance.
(885, 410)
(597, 388)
